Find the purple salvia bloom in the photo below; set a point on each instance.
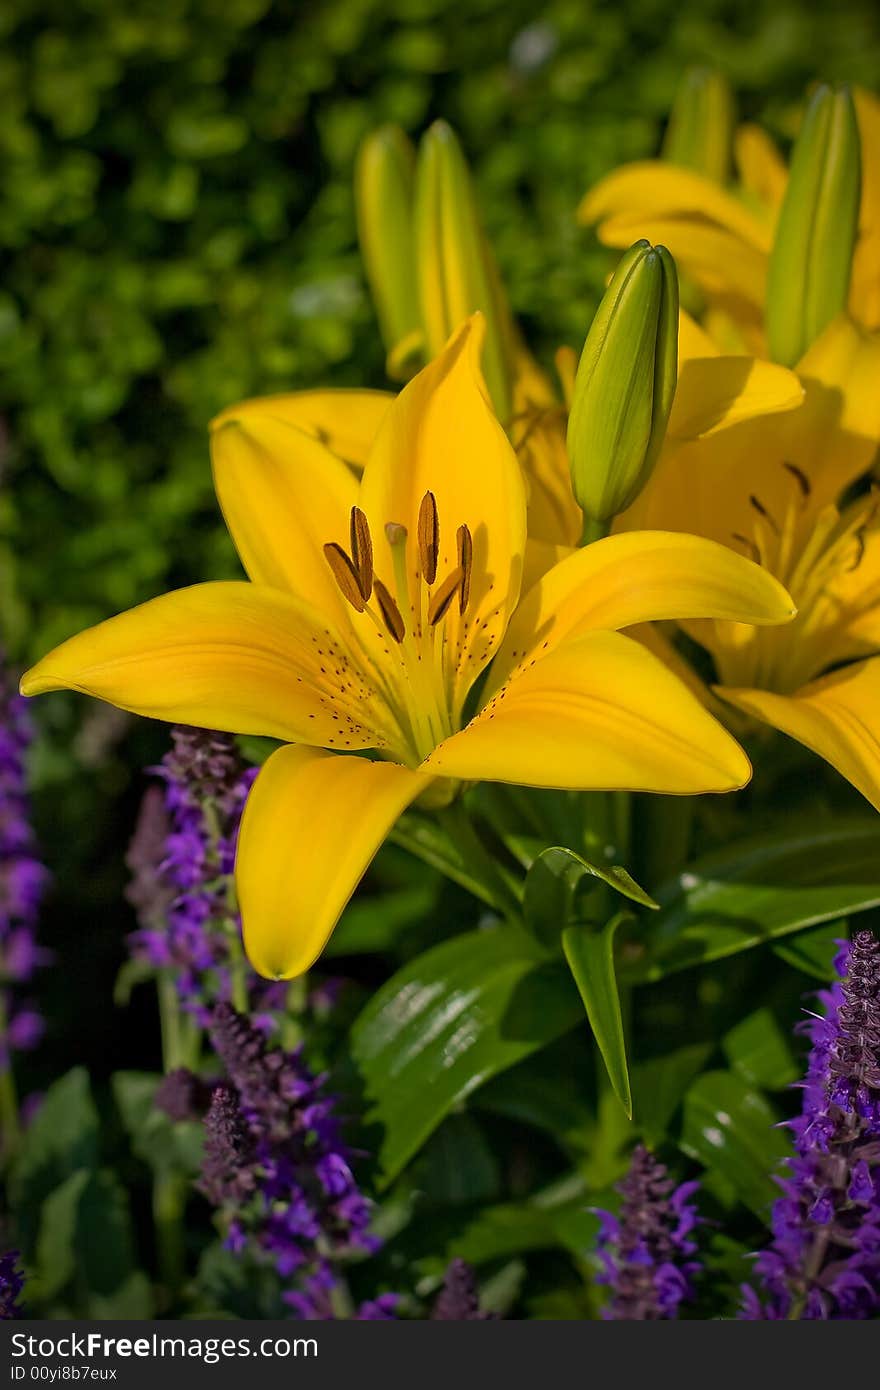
(458, 1300)
(824, 1259)
(274, 1157)
(22, 877)
(11, 1284)
(646, 1250)
(181, 860)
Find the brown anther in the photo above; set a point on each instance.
(466, 564)
(429, 537)
(390, 611)
(345, 574)
(749, 545)
(800, 477)
(362, 551)
(441, 600)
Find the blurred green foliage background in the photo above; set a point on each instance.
(177, 228)
(177, 232)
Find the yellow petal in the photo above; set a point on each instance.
(761, 167)
(723, 264)
(538, 436)
(838, 430)
(651, 188)
(284, 496)
(693, 341)
(598, 713)
(311, 826)
(640, 576)
(716, 392)
(864, 301)
(347, 421)
(838, 717)
(441, 436)
(220, 656)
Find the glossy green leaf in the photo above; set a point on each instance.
(731, 1129)
(590, 955)
(450, 1019)
(552, 885)
(757, 890)
(759, 1050)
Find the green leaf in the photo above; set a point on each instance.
(56, 1242)
(659, 1084)
(457, 1165)
(759, 1051)
(590, 955)
(429, 841)
(450, 1019)
(731, 1129)
(552, 884)
(760, 889)
(159, 1141)
(374, 923)
(813, 951)
(85, 1233)
(61, 1140)
(539, 1092)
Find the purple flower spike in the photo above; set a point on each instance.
(824, 1260)
(458, 1300)
(646, 1250)
(11, 1284)
(22, 878)
(181, 861)
(276, 1164)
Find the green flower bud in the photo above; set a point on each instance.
(456, 271)
(384, 188)
(700, 130)
(811, 260)
(625, 383)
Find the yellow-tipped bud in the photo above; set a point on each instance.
(456, 271)
(700, 130)
(811, 260)
(625, 383)
(384, 189)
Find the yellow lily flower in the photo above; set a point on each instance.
(722, 237)
(373, 608)
(771, 489)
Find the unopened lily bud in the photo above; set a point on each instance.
(700, 130)
(456, 272)
(811, 260)
(384, 188)
(625, 383)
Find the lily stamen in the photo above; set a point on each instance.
(362, 551)
(440, 601)
(391, 615)
(429, 537)
(346, 575)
